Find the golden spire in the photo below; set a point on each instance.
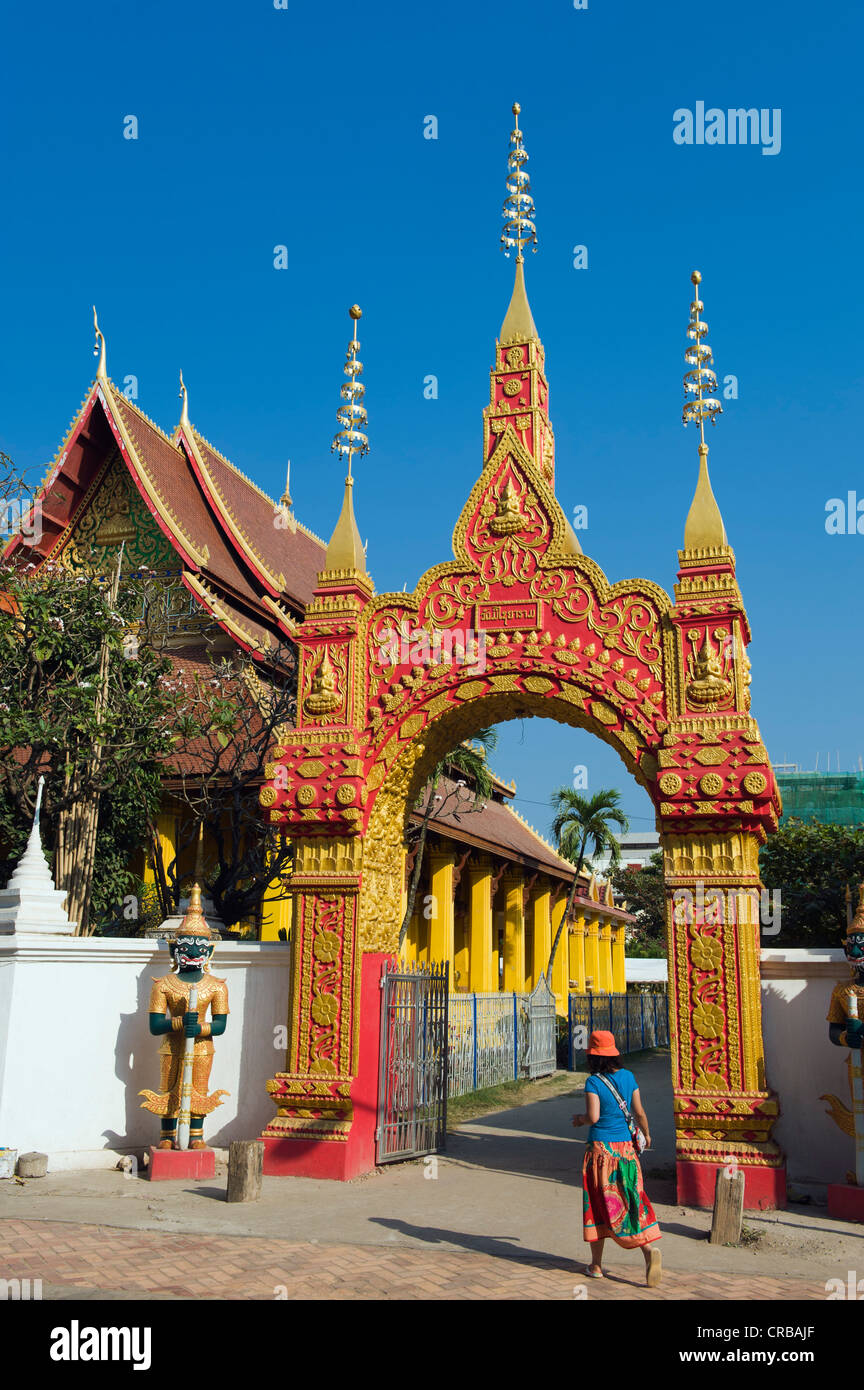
(99, 349)
(184, 396)
(285, 499)
(519, 231)
(345, 551)
(704, 529)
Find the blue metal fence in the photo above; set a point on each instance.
(637, 1020)
(497, 1037)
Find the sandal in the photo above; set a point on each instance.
(594, 1275)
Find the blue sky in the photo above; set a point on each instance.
(259, 127)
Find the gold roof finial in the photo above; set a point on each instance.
(518, 211)
(184, 397)
(285, 499)
(99, 349)
(704, 529)
(345, 551)
(519, 232)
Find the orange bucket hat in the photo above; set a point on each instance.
(602, 1044)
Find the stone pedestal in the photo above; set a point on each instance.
(167, 1164)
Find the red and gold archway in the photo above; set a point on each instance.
(521, 622)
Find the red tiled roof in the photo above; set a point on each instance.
(297, 556)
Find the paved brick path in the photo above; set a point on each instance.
(147, 1264)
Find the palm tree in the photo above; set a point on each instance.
(582, 825)
(469, 759)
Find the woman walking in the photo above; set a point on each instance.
(614, 1203)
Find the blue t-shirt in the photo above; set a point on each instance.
(611, 1126)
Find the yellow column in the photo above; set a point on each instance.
(460, 955)
(619, 972)
(560, 969)
(277, 915)
(480, 943)
(592, 959)
(413, 937)
(498, 926)
(441, 864)
(166, 830)
(577, 955)
(604, 955)
(405, 953)
(514, 932)
(541, 940)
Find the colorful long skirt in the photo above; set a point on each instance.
(614, 1204)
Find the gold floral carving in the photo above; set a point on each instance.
(711, 784)
(754, 783)
(670, 783)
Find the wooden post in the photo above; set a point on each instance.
(728, 1208)
(245, 1166)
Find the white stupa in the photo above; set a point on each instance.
(30, 902)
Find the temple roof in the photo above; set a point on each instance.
(251, 567)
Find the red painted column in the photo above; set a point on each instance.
(345, 1157)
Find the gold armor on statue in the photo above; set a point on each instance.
(171, 995)
(186, 1052)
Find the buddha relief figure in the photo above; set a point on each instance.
(508, 517)
(323, 696)
(707, 686)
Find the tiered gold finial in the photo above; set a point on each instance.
(700, 381)
(704, 529)
(518, 210)
(184, 396)
(519, 231)
(345, 551)
(350, 439)
(99, 349)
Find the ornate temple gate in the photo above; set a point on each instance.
(522, 623)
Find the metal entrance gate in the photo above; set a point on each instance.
(539, 1057)
(412, 1085)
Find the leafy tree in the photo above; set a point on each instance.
(469, 759)
(811, 865)
(583, 827)
(82, 703)
(645, 894)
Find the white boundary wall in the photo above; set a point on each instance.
(75, 1048)
(802, 1064)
